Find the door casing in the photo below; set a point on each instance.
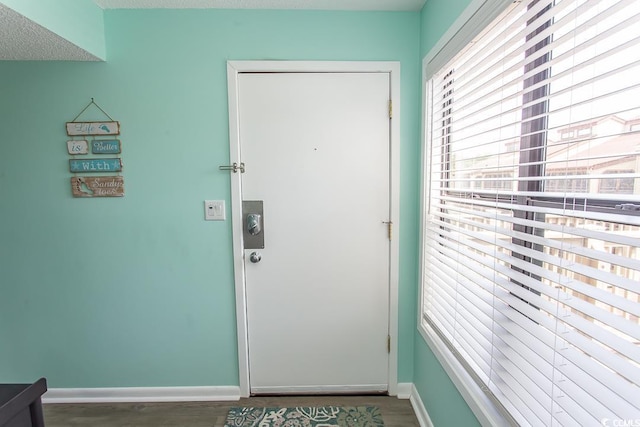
(234, 68)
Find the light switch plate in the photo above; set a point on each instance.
(214, 210)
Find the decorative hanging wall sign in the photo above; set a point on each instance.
(77, 146)
(96, 165)
(101, 186)
(93, 128)
(105, 146)
(98, 185)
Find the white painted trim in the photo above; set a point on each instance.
(233, 69)
(314, 66)
(394, 257)
(141, 394)
(236, 225)
(473, 19)
(471, 22)
(418, 407)
(404, 390)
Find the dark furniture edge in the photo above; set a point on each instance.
(30, 394)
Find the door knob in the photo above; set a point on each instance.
(255, 257)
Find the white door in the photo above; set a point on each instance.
(316, 152)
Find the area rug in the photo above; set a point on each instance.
(319, 416)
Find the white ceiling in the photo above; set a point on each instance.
(389, 5)
(23, 40)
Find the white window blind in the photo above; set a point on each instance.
(532, 211)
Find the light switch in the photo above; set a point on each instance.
(214, 210)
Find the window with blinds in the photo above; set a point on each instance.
(531, 257)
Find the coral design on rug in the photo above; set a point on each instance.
(319, 416)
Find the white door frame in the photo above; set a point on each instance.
(233, 69)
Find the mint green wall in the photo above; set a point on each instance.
(79, 21)
(138, 291)
(437, 17)
(443, 402)
(439, 395)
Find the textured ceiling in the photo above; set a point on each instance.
(398, 5)
(23, 40)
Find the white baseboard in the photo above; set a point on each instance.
(419, 409)
(404, 390)
(141, 394)
(192, 394)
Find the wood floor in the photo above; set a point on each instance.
(395, 412)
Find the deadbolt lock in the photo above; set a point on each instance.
(252, 224)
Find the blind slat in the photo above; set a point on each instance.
(600, 374)
(479, 76)
(566, 248)
(611, 340)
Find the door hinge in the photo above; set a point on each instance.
(390, 109)
(389, 228)
(388, 343)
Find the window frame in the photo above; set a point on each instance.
(471, 22)
(477, 15)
